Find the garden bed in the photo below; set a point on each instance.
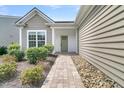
(91, 76)
(15, 81)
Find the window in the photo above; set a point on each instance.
(32, 39)
(41, 38)
(36, 38)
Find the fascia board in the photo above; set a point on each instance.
(83, 13)
(32, 12)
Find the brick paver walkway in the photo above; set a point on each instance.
(63, 74)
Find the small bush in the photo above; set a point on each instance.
(3, 50)
(7, 70)
(32, 76)
(8, 58)
(43, 53)
(50, 48)
(32, 55)
(13, 46)
(18, 54)
(36, 54)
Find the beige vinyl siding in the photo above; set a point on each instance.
(35, 23)
(8, 31)
(101, 40)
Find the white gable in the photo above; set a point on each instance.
(31, 14)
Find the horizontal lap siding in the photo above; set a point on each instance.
(8, 31)
(101, 41)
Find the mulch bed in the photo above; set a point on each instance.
(15, 81)
(91, 76)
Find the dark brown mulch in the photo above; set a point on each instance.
(91, 76)
(15, 81)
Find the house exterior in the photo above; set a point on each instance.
(101, 38)
(97, 35)
(37, 29)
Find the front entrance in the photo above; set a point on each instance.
(64, 43)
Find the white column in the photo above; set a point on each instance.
(20, 37)
(53, 38)
(76, 40)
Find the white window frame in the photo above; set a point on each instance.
(36, 36)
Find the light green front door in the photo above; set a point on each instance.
(64, 43)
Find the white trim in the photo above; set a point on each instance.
(20, 37)
(60, 24)
(76, 40)
(45, 31)
(36, 39)
(53, 39)
(28, 18)
(53, 36)
(73, 27)
(35, 11)
(45, 17)
(27, 39)
(45, 36)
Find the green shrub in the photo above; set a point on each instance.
(50, 48)
(32, 76)
(3, 50)
(8, 58)
(18, 54)
(7, 70)
(43, 53)
(36, 54)
(13, 46)
(32, 55)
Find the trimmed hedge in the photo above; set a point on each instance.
(13, 46)
(50, 47)
(32, 76)
(36, 54)
(32, 55)
(18, 54)
(14, 50)
(43, 53)
(3, 50)
(7, 70)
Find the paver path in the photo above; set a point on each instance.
(63, 74)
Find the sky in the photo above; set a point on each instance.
(55, 12)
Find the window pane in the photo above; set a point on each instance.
(41, 35)
(32, 43)
(41, 43)
(32, 35)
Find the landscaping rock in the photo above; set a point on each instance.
(91, 76)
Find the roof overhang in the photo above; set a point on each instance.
(61, 25)
(83, 13)
(81, 16)
(32, 13)
(86, 13)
